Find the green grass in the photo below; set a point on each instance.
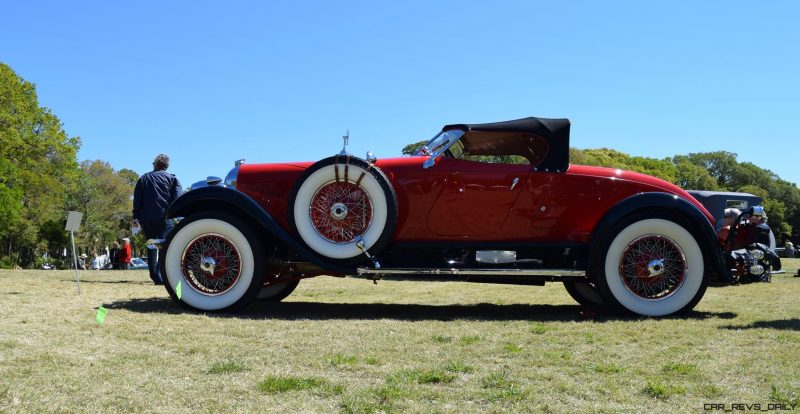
(499, 387)
(227, 366)
(276, 384)
(421, 376)
(607, 368)
(680, 369)
(512, 348)
(347, 345)
(469, 340)
(340, 360)
(459, 366)
(661, 390)
(442, 339)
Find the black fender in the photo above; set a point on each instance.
(669, 204)
(240, 204)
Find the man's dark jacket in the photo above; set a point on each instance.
(153, 194)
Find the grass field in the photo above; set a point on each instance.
(346, 345)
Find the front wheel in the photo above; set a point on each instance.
(653, 267)
(215, 259)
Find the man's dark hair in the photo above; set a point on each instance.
(161, 162)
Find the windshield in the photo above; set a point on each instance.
(441, 142)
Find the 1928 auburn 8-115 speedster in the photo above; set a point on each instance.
(626, 240)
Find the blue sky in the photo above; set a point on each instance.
(211, 82)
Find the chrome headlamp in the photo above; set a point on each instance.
(756, 254)
(231, 178)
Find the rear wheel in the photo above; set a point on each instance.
(652, 267)
(277, 292)
(214, 257)
(584, 293)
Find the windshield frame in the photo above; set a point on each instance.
(440, 143)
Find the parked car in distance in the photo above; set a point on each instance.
(137, 263)
(450, 212)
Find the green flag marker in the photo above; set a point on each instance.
(101, 315)
(178, 290)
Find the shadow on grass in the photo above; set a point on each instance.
(780, 324)
(406, 312)
(112, 282)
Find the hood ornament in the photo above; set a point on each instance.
(346, 139)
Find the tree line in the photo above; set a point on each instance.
(41, 180)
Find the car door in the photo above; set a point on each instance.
(476, 198)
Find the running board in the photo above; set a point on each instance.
(503, 276)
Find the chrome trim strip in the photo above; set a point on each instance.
(475, 272)
(431, 160)
(496, 256)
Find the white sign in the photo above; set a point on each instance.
(74, 221)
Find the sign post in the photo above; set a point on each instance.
(73, 224)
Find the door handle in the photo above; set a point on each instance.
(514, 183)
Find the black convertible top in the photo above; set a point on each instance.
(499, 138)
(538, 126)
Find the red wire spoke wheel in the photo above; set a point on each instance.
(211, 264)
(653, 267)
(338, 199)
(340, 211)
(218, 260)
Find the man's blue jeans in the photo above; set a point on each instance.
(155, 229)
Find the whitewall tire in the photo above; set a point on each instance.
(216, 260)
(653, 267)
(341, 198)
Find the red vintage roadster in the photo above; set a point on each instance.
(490, 203)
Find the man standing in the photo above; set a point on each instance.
(125, 254)
(153, 194)
(113, 255)
(757, 230)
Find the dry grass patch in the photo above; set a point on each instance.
(346, 345)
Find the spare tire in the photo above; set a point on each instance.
(338, 199)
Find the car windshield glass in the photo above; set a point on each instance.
(440, 142)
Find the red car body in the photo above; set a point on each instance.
(495, 203)
(451, 202)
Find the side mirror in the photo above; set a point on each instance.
(430, 162)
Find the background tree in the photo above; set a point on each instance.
(37, 163)
(410, 148)
(104, 197)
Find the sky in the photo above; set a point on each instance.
(211, 82)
